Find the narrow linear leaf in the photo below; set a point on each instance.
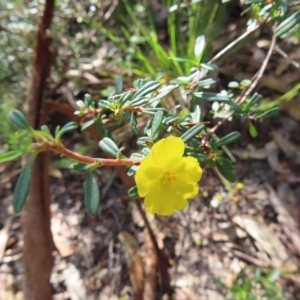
(229, 138)
(211, 96)
(133, 124)
(170, 119)
(156, 123)
(153, 111)
(18, 119)
(68, 127)
(23, 185)
(208, 81)
(192, 132)
(119, 84)
(252, 130)
(11, 155)
(200, 157)
(46, 129)
(209, 67)
(138, 102)
(87, 124)
(131, 171)
(213, 144)
(288, 24)
(182, 59)
(104, 104)
(199, 46)
(146, 89)
(269, 113)
(226, 168)
(91, 194)
(133, 192)
(196, 115)
(142, 141)
(109, 146)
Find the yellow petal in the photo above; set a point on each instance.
(164, 200)
(188, 170)
(146, 175)
(167, 152)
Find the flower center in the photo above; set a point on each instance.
(168, 178)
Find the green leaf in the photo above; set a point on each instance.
(170, 119)
(119, 84)
(133, 192)
(196, 115)
(269, 113)
(46, 129)
(209, 67)
(207, 82)
(78, 167)
(132, 170)
(87, 124)
(252, 130)
(288, 24)
(274, 275)
(18, 119)
(23, 185)
(257, 275)
(142, 141)
(226, 168)
(109, 146)
(199, 46)
(212, 96)
(153, 111)
(103, 131)
(253, 100)
(133, 123)
(156, 123)
(213, 144)
(234, 85)
(181, 59)
(68, 127)
(124, 98)
(91, 194)
(104, 104)
(229, 138)
(138, 102)
(200, 157)
(88, 100)
(163, 92)
(192, 132)
(246, 83)
(146, 89)
(11, 155)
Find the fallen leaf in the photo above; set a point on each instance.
(269, 242)
(288, 224)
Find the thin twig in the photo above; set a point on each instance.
(202, 73)
(232, 44)
(285, 55)
(247, 92)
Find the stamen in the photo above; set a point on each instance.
(168, 178)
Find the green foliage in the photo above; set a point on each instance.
(18, 119)
(255, 286)
(91, 194)
(182, 82)
(23, 185)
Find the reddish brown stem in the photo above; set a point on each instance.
(98, 162)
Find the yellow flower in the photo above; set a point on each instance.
(167, 179)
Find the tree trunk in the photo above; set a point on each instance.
(38, 243)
